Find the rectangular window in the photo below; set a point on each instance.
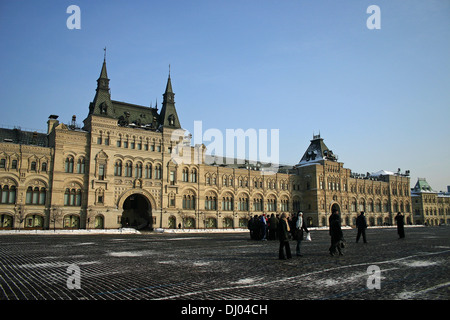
(172, 177)
(101, 172)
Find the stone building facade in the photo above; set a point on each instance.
(430, 207)
(131, 165)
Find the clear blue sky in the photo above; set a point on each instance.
(380, 98)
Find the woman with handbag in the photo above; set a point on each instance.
(337, 237)
(283, 232)
(299, 227)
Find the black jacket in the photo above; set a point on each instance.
(283, 232)
(361, 222)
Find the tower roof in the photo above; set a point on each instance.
(169, 116)
(422, 186)
(103, 73)
(317, 151)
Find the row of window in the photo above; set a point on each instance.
(37, 196)
(80, 166)
(139, 170)
(15, 165)
(37, 221)
(209, 223)
(243, 182)
(189, 202)
(129, 143)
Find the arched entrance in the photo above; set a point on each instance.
(137, 212)
(335, 207)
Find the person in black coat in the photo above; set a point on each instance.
(399, 218)
(273, 226)
(283, 236)
(361, 224)
(336, 233)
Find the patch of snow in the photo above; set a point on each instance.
(419, 263)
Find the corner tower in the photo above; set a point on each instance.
(102, 104)
(169, 116)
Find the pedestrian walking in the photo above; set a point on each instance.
(273, 225)
(361, 224)
(399, 218)
(283, 236)
(336, 233)
(299, 227)
(263, 228)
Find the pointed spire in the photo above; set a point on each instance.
(169, 84)
(168, 115)
(103, 73)
(102, 100)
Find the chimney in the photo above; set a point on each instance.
(52, 122)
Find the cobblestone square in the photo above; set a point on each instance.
(224, 266)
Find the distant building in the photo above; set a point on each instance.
(118, 169)
(430, 207)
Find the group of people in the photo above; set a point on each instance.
(285, 228)
(337, 237)
(263, 227)
(282, 228)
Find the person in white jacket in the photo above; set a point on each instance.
(299, 227)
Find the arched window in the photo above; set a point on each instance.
(7, 194)
(6, 221)
(227, 203)
(81, 163)
(35, 195)
(193, 177)
(71, 222)
(189, 202)
(148, 171)
(34, 221)
(284, 205)
(138, 170)
(258, 204)
(211, 201)
(69, 165)
(128, 169)
(158, 171)
(243, 203)
(72, 197)
(185, 175)
(272, 204)
(118, 168)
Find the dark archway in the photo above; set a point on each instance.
(137, 212)
(335, 207)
